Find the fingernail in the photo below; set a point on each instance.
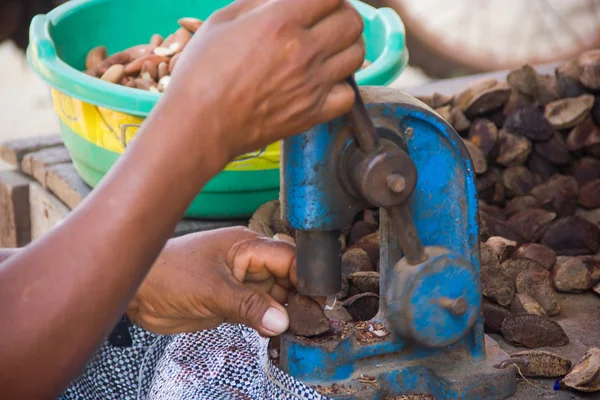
(275, 320)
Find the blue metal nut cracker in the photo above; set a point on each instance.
(395, 153)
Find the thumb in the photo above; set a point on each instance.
(257, 310)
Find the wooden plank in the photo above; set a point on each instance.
(13, 151)
(14, 209)
(45, 210)
(37, 163)
(65, 183)
(188, 226)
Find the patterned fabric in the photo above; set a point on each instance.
(229, 362)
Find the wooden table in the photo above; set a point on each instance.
(44, 186)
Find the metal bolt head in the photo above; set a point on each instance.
(455, 306)
(396, 183)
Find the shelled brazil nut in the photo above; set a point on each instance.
(146, 66)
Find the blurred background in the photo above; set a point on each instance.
(445, 39)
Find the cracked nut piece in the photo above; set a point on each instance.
(533, 331)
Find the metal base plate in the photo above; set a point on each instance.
(449, 380)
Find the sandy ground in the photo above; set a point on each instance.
(26, 107)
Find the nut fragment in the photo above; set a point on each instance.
(525, 304)
(163, 51)
(542, 88)
(156, 40)
(543, 364)
(517, 180)
(455, 117)
(575, 274)
(500, 247)
(477, 157)
(482, 96)
(586, 134)
(128, 81)
(149, 71)
(591, 215)
(589, 62)
(529, 121)
(337, 313)
(589, 195)
(553, 150)
(365, 281)
(516, 99)
(118, 58)
(496, 286)
(362, 306)
(359, 230)
(138, 51)
(114, 73)
(306, 316)
(163, 70)
(493, 316)
(531, 223)
(356, 260)
(533, 331)
(463, 99)
(521, 203)
(566, 113)
(536, 284)
(543, 255)
(483, 134)
(191, 24)
(585, 170)
(572, 236)
(558, 194)
(513, 266)
(596, 110)
(513, 150)
(437, 100)
(541, 167)
(173, 62)
(135, 66)
(95, 57)
(163, 83)
(584, 372)
(567, 78)
(523, 79)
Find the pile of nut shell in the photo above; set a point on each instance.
(534, 141)
(146, 66)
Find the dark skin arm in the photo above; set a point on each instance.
(5, 253)
(62, 294)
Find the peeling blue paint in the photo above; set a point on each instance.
(444, 210)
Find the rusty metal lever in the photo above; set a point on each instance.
(365, 133)
(364, 130)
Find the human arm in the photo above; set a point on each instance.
(5, 253)
(63, 293)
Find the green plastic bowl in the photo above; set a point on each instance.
(98, 119)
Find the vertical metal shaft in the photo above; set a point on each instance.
(318, 263)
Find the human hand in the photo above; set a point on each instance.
(268, 69)
(205, 279)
